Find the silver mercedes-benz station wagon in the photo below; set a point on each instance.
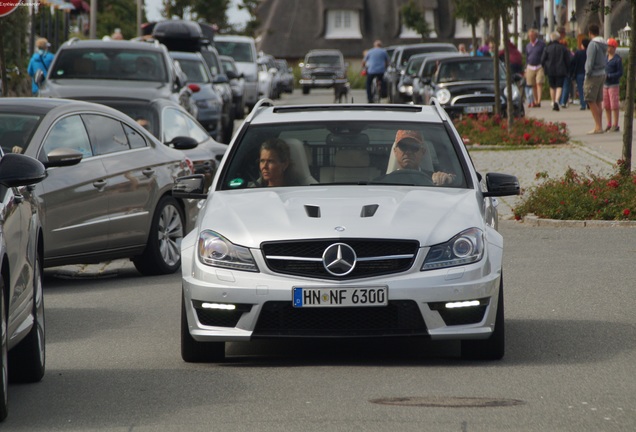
(344, 221)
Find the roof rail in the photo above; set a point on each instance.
(265, 102)
(348, 107)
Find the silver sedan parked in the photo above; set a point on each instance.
(115, 203)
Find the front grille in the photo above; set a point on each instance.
(484, 99)
(323, 75)
(219, 318)
(387, 257)
(399, 318)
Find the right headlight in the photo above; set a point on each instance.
(465, 248)
(217, 251)
(443, 96)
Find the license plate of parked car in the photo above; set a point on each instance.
(335, 297)
(478, 109)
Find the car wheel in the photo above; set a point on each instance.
(306, 90)
(198, 352)
(4, 375)
(492, 348)
(27, 360)
(163, 250)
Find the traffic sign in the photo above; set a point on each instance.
(6, 7)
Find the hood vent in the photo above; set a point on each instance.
(369, 210)
(312, 211)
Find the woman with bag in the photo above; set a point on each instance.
(41, 60)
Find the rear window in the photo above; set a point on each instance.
(110, 64)
(239, 51)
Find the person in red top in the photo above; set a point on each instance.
(516, 59)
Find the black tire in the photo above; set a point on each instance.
(28, 359)
(306, 90)
(492, 348)
(4, 361)
(198, 352)
(163, 249)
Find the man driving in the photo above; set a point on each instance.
(409, 150)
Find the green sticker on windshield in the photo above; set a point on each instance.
(236, 183)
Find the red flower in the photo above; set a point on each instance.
(612, 184)
(626, 212)
(526, 136)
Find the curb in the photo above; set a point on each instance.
(536, 221)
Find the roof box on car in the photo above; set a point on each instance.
(179, 35)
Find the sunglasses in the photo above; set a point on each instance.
(408, 147)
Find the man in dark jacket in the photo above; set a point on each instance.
(577, 70)
(556, 64)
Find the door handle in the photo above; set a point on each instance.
(148, 172)
(99, 184)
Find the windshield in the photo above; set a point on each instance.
(195, 71)
(16, 131)
(344, 152)
(468, 71)
(110, 64)
(327, 60)
(239, 51)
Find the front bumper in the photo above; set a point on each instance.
(321, 82)
(417, 303)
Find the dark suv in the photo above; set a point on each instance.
(322, 69)
(97, 68)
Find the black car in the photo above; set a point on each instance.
(399, 59)
(22, 335)
(466, 85)
(322, 68)
(423, 75)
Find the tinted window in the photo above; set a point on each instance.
(68, 132)
(176, 123)
(323, 60)
(239, 51)
(107, 134)
(195, 70)
(143, 114)
(109, 63)
(16, 131)
(135, 139)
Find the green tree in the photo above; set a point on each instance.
(413, 17)
(15, 53)
(177, 8)
(250, 6)
(114, 14)
(469, 11)
(212, 11)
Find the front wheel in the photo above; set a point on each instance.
(163, 250)
(27, 360)
(198, 352)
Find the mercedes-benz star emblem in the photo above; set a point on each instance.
(339, 259)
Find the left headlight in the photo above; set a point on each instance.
(217, 251)
(465, 248)
(443, 96)
(515, 93)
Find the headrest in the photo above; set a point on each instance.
(352, 158)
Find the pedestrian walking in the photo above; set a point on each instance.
(577, 70)
(611, 91)
(556, 64)
(595, 76)
(534, 71)
(568, 90)
(41, 60)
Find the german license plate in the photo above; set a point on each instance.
(338, 297)
(477, 109)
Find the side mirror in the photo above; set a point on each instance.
(63, 156)
(20, 170)
(501, 185)
(192, 187)
(183, 143)
(231, 74)
(221, 79)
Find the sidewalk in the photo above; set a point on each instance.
(596, 153)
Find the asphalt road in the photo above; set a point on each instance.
(114, 363)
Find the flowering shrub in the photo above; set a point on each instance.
(582, 197)
(484, 129)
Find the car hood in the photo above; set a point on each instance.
(429, 215)
(471, 86)
(86, 89)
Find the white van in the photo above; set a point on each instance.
(243, 50)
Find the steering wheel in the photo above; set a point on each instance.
(409, 176)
